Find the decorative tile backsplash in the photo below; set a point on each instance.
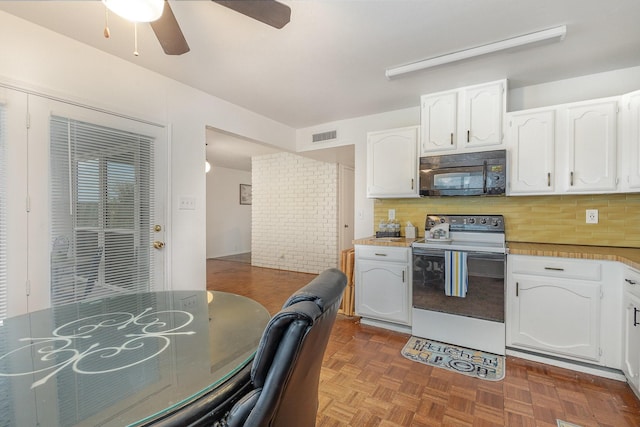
(539, 219)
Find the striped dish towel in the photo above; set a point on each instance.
(455, 274)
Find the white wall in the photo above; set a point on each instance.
(228, 222)
(593, 86)
(40, 59)
(354, 131)
(295, 213)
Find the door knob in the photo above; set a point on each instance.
(158, 245)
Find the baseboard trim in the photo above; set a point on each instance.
(601, 371)
(386, 325)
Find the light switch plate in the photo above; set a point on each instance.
(187, 203)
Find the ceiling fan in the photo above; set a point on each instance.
(172, 40)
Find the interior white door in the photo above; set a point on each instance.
(30, 196)
(346, 208)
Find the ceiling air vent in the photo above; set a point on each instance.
(324, 136)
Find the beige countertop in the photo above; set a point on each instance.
(628, 256)
(385, 241)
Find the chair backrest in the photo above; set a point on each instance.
(90, 271)
(286, 369)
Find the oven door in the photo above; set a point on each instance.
(485, 294)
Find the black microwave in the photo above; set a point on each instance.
(468, 174)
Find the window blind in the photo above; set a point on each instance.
(3, 213)
(101, 188)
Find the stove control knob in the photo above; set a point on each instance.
(496, 222)
(442, 220)
(472, 220)
(483, 221)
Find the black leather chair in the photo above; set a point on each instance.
(286, 369)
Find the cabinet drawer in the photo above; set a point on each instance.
(383, 253)
(555, 267)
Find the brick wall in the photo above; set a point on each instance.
(294, 213)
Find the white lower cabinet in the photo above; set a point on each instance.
(383, 283)
(631, 329)
(564, 307)
(561, 317)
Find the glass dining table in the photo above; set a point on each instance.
(158, 358)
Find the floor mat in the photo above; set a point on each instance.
(475, 363)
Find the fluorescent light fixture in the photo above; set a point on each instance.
(539, 36)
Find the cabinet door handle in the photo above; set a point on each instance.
(484, 177)
(554, 268)
(402, 276)
(571, 179)
(468, 136)
(635, 317)
(451, 138)
(412, 183)
(631, 282)
(377, 254)
(548, 179)
(517, 288)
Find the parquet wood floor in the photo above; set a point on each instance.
(366, 382)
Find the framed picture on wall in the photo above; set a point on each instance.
(245, 194)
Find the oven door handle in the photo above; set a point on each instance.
(440, 253)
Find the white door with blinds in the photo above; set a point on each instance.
(13, 190)
(94, 204)
(102, 210)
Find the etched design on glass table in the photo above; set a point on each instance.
(99, 344)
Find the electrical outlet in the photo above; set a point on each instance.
(592, 216)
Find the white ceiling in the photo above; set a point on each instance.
(233, 152)
(328, 63)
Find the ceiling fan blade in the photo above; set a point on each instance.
(269, 12)
(169, 33)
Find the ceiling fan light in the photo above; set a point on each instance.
(136, 10)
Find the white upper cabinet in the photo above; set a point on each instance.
(392, 163)
(591, 146)
(631, 142)
(439, 122)
(483, 114)
(569, 148)
(466, 119)
(531, 144)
